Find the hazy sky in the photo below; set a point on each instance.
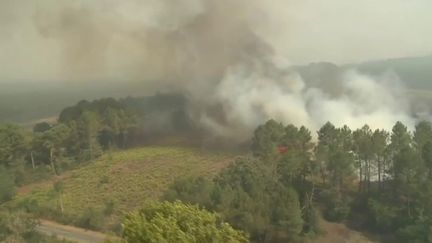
(102, 37)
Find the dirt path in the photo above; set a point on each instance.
(70, 233)
(340, 233)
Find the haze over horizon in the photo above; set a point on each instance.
(109, 40)
(230, 58)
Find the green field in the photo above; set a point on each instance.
(127, 178)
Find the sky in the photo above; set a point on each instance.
(228, 57)
(53, 40)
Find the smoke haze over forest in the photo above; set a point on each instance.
(231, 59)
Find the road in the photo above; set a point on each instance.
(70, 233)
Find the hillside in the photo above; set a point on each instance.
(26, 102)
(127, 179)
(48, 99)
(414, 71)
(133, 177)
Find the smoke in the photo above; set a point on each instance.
(230, 58)
(182, 41)
(249, 98)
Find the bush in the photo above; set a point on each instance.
(384, 217)
(7, 185)
(109, 208)
(65, 164)
(16, 226)
(191, 190)
(41, 173)
(338, 212)
(417, 233)
(30, 205)
(91, 219)
(337, 206)
(178, 222)
(311, 225)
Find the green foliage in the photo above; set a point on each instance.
(51, 146)
(364, 149)
(337, 152)
(192, 189)
(247, 196)
(7, 185)
(109, 208)
(426, 154)
(287, 214)
(400, 138)
(272, 196)
(311, 225)
(178, 222)
(135, 177)
(99, 124)
(384, 216)
(296, 163)
(266, 139)
(13, 144)
(243, 195)
(422, 134)
(416, 233)
(41, 127)
(337, 205)
(91, 218)
(16, 226)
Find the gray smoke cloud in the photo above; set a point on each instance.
(230, 58)
(249, 98)
(183, 40)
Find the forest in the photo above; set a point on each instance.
(375, 181)
(220, 121)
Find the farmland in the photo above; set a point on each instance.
(125, 179)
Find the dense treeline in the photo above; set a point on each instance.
(82, 133)
(381, 181)
(85, 130)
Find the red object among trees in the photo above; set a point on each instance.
(282, 149)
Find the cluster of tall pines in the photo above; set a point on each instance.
(375, 180)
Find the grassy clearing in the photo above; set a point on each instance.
(338, 232)
(126, 178)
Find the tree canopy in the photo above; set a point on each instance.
(178, 222)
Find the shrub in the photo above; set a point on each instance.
(109, 208)
(416, 233)
(104, 179)
(384, 216)
(337, 205)
(91, 219)
(178, 222)
(7, 185)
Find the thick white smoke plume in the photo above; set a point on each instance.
(249, 98)
(227, 56)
